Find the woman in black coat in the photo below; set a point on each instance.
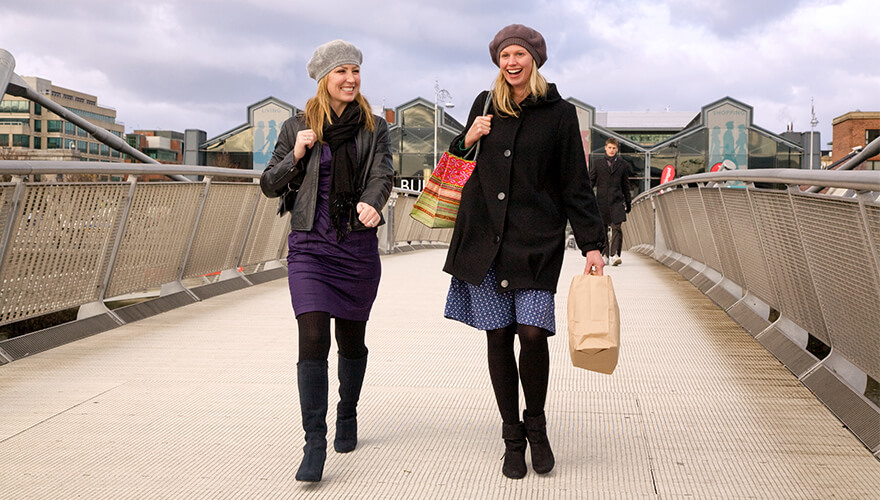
(506, 251)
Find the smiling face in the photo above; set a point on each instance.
(343, 85)
(516, 66)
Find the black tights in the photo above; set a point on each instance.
(534, 369)
(314, 337)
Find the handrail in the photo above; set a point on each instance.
(27, 167)
(859, 180)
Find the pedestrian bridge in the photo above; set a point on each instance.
(749, 362)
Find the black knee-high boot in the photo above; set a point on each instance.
(351, 379)
(311, 378)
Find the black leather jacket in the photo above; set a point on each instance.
(373, 153)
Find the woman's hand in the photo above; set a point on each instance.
(595, 264)
(305, 139)
(368, 215)
(482, 126)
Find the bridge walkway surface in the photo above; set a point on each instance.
(201, 402)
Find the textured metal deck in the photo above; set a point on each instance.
(201, 402)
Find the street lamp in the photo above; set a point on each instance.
(440, 95)
(813, 122)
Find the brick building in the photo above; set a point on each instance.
(855, 129)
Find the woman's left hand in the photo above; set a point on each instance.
(595, 264)
(368, 215)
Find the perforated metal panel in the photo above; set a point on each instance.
(266, 231)
(54, 259)
(750, 252)
(847, 282)
(725, 245)
(222, 227)
(686, 225)
(666, 217)
(787, 261)
(157, 233)
(703, 228)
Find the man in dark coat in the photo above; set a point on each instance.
(610, 176)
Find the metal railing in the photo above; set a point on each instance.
(799, 270)
(66, 245)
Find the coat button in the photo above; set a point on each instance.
(497, 239)
(501, 196)
(507, 153)
(504, 283)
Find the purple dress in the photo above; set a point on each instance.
(325, 275)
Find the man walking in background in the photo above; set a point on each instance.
(609, 176)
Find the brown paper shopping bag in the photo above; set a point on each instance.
(593, 323)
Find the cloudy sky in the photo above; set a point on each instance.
(179, 64)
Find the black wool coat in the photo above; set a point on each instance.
(530, 178)
(612, 187)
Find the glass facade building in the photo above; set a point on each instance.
(721, 135)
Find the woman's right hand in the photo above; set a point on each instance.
(305, 139)
(482, 126)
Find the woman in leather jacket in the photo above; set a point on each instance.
(332, 167)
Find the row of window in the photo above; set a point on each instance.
(92, 148)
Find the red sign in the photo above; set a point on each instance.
(716, 167)
(668, 174)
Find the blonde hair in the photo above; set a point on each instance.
(502, 94)
(317, 112)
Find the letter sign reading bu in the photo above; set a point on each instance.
(668, 174)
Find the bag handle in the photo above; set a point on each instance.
(485, 109)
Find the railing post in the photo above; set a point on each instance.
(244, 240)
(98, 307)
(17, 197)
(192, 238)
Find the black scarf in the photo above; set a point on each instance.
(344, 171)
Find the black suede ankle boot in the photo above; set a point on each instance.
(311, 378)
(514, 450)
(536, 433)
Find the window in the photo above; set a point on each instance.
(67, 96)
(82, 146)
(93, 148)
(21, 141)
(79, 99)
(105, 150)
(91, 102)
(53, 143)
(69, 144)
(4, 140)
(15, 106)
(38, 143)
(38, 126)
(53, 125)
(38, 109)
(82, 133)
(69, 128)
(870, 135)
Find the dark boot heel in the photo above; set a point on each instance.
(311, 378)
(514, 450)
(536, 433)
(351, 379)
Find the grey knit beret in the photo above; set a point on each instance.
(517, 34)
(331, 55)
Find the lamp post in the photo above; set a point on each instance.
(444, 96)
(813, 122)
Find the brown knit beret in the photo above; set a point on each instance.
(517, 34)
